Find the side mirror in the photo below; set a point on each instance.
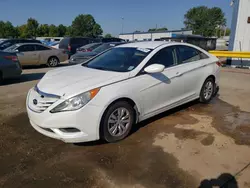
(154, 68)
(16, 50)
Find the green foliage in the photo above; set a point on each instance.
(108, 35)
(43, 30)
(31, 28)
(158, 29)
(204, 21)
(7, 30)
(85, 25)
(62, 30)
(53, 31)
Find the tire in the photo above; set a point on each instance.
(53, 62)
(207, 91)
(112, 129)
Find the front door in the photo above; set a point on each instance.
(160, 90)
(27, 54)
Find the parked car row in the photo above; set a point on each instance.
(81, 57)
(71, 44)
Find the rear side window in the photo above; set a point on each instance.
(41, 48)
(64, 43)
(188, 54)
(26, 48)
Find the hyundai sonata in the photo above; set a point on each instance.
(104, 97)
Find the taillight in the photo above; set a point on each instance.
(88, 50)
(69, 47)
(219, 63)
(11, 57)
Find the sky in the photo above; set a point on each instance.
(137, 14)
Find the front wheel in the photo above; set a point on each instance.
(117, 121)
(207, 91)
(53, 62)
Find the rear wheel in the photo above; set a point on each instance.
(53, 62)
(117, 121)
(207, 91)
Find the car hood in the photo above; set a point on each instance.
(84, 54)
(70, 81)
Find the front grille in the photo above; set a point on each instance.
(40, 101)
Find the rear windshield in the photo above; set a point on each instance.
(79, 41)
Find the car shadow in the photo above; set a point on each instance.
(225, 180)
(24, 78)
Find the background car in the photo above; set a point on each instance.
(70, 44)
(80, 57)
(9, 66)
(9, 42)
(89, 47)
(38, 54)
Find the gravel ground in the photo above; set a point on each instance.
(193, 145)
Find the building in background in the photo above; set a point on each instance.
(240, 30)
(151, 36)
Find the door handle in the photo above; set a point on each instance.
(204, 65)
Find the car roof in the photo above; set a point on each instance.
(149, 44)
(20, 44)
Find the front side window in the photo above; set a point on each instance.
(119, 59)
(165, 56)
(188, 54)
(26, 48)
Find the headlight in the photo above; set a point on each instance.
(76, 102)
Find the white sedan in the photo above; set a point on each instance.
(105, 97)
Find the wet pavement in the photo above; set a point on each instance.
(179, 148)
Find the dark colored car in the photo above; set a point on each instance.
(81, 57)
(89, 47)
(70, 44)
(9, 42)
(9, 66)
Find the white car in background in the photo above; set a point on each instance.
(109, 94)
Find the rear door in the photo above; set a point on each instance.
(43, 54)
(191, 65)
(27, 54)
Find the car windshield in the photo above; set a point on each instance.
(11, 48)
(122, 59)
(103, 47)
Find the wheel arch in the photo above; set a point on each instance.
(126, 99)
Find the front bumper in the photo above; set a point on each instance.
(85, 120)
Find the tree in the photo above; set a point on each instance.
(53, 31)
(204, 21)
(43, 30)
(31, 28)
(68, 31)
(158, 29)
(62, 30)
(108, 35)
(86, 26)
(7, 30)
(22, 31)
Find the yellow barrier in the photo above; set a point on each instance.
(230, 54)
